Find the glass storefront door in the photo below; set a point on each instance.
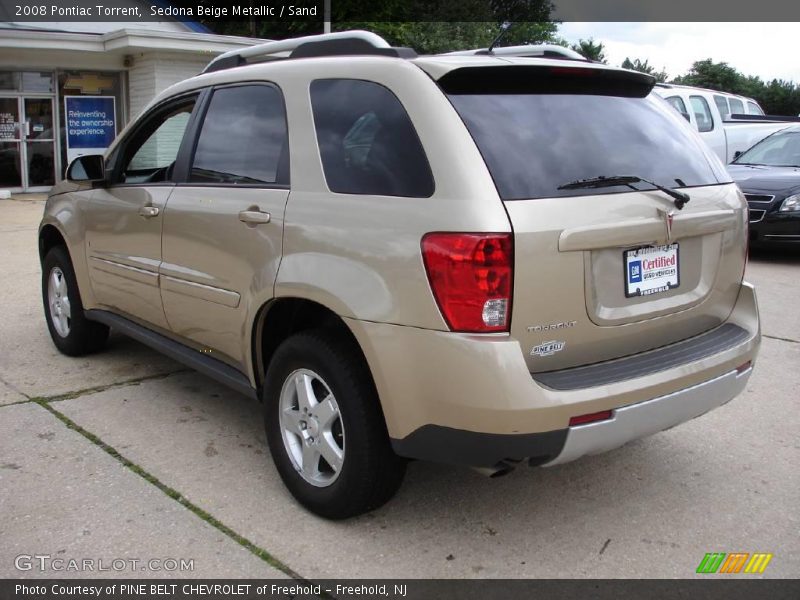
(40, 142)
(27, 143)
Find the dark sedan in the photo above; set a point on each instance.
(769, 175)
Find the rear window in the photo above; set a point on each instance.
(754, 109)
(534, 143)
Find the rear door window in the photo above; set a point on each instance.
(722, 105)
(367, 142)
(244, 139)
(535, 142)
(737, 106)
(702, 113)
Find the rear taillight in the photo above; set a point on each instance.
(471, 275)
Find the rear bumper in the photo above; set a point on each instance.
(470, 400)
(651, 416)
(551, 448)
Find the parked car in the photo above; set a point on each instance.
(478, 261)
(710, 113)
(769, 176)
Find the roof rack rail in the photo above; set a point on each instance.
(341, 43)
(529, 50)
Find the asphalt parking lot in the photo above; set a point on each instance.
(127, 455)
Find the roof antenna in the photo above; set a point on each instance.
(503, 28)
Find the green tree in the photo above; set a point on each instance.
(644, 67)
(716, 76)
(590, 49)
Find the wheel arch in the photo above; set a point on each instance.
(280, 318)
(50, 236)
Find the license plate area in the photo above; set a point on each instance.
(651, 270)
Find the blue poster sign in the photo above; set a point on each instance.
(91, 124)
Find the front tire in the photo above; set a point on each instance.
(72, 333)
(325, 428)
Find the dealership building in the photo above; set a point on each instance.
(67, 88)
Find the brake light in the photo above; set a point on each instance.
(471, 276)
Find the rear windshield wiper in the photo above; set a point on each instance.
(599, 182)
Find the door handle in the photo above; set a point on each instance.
(254, 217)
(149, 212)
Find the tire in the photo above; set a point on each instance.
(351, 421)
(72, 333)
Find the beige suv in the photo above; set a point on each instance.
(481, 259)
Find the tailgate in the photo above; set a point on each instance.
(603, 268)
(570, 302)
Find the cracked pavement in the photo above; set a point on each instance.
(128, 455)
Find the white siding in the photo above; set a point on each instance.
(150, 74)
(153, 72)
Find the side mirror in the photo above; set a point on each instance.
(90, 167)
(737, 154)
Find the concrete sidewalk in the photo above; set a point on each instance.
(125, 454)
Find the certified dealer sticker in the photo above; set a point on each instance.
(548, 348)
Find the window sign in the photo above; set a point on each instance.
(91, 124)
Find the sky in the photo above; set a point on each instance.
(768, 50)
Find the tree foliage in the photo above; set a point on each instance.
(590, 49)
(644, 67)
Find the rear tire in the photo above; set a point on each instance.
(72, 333)
(325, 428)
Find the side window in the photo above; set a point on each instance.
(737, 106)
(243, 139)
(367, 142)
(678, 104)
(722, 106)
(151, 153)
(702, 113)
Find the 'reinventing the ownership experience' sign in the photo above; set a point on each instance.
(90, 123)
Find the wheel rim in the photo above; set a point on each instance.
(311, 427)
(58, 302)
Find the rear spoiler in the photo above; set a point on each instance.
(546, 79)
(762, 118)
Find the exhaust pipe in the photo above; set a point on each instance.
(500, 469)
